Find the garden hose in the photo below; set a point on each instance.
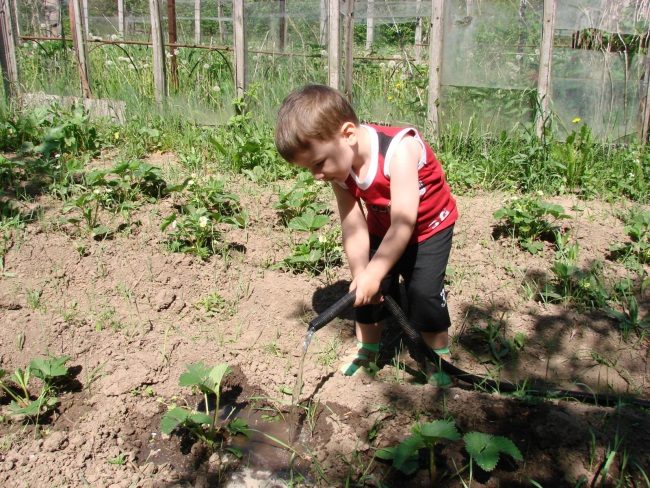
(421, 350)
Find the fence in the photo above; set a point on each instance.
(492, 64)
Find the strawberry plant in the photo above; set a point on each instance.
(205, 427)
(526, 219)
(197, 226)
(17, 386)
(299, 198)
(485, 449)
(406, 455)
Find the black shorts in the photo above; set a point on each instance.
(423, 268)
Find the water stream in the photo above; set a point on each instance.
(297, 388)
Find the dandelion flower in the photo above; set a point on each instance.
(576, 120)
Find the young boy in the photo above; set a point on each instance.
(405, 224)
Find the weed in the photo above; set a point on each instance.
(34, 298)
(328, 356)
(214, 304)
(526, 219)
(637, 228)
(119, 460)
(628, 319)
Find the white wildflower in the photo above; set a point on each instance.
(203, 221)
(206, 66)
(322, 239)
(216, 88)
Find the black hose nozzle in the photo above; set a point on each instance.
(332, 311)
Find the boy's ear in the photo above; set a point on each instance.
(349, 132)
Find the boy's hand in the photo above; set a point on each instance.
(367, 287)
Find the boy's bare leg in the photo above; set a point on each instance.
(369, 333)
(436, 340)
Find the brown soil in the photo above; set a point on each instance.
(125, 310)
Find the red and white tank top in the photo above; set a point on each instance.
(437, 209)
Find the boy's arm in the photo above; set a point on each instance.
(405, 199)
(356, 241)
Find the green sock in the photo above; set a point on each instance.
(442, 351)
(361, 360)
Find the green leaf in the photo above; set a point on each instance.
(438, 429)
(200, 418)
(236, 451)
(196, 375)
(406, 454)
(217, 374)
(482, 450)
(238, 426)
(485, 449)
(48, 368)
(172, 419)
(385, 453)
(441, 379)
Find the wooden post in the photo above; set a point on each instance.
(8, 52)
(52, 12)
(282, 25)
(435, 64)
(171, 30)
(333, 54)
(645, 104)
(370, 26)
(158, 45)
(220, 17)
(197, 22)
(240, 47)
(84, 16)
(348, 43)
(121, 25)
(417, 48)
(322, 34)
(545, 58)
(16, 21)
(79, 42)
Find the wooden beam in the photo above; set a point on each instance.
(8, 52)
(545, 59)
(333, 44)
(79, 42)
(158, 47)
(240, 47)
(348, 43)
(435, 65)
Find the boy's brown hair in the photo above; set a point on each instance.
(313, 112)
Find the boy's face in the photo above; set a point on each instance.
(331, 160)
